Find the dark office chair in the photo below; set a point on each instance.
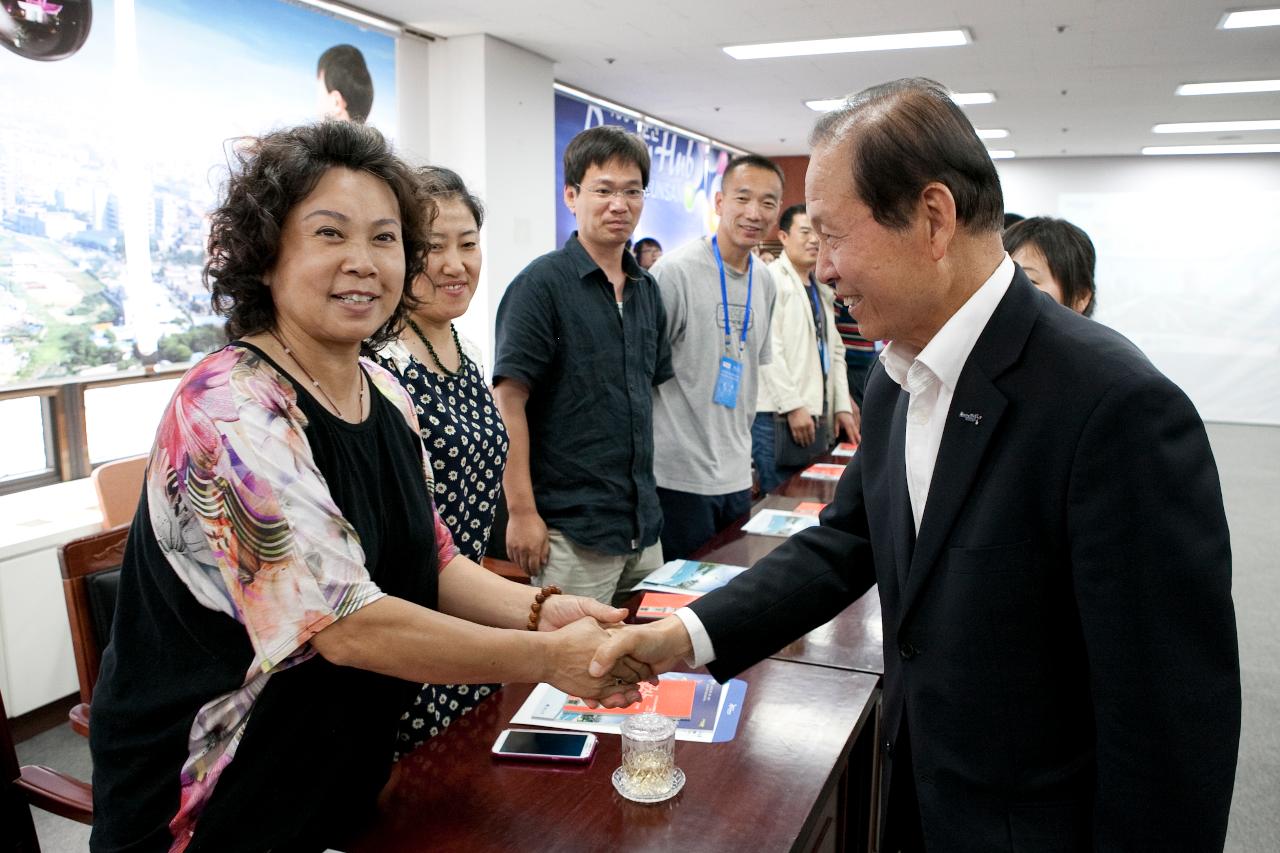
(90, 583)
(37, 786)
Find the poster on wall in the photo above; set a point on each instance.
(118, 118)
(684, 174)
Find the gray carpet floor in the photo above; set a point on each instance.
(1249, 462)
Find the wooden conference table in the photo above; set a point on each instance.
(780, 784)
(800, 775)
(854, 640)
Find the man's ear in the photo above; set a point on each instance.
(340, 105)
(719, 202)
(335, 106)
(939, 209)
(570, 198)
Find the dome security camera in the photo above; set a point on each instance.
(43, 30)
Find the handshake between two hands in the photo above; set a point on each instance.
(597, 658)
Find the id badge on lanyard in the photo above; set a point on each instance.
(729, 379)
(728, 382)
(819, 320)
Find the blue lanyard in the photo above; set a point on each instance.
(724, 298)
(818, 322)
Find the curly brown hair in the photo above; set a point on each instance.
(271, 174)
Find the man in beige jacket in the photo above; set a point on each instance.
(800, 384)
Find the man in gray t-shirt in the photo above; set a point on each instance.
(702, 418)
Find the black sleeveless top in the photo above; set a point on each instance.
(318, 743)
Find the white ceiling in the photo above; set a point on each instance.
(1073, 78)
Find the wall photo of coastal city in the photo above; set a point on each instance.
(112, 156)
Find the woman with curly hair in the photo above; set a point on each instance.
(288, 584)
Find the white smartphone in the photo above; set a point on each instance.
(538, 745)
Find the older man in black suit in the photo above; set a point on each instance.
(1040, 508)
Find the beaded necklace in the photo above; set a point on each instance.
(462, 358)
(316, 384)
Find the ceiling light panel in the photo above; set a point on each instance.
(1250, 18)
(964, 99)
(968, 99)
(851, 44)
(1244, 148)
(1216, 126)
(1236, 87)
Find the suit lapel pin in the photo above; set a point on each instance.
(971, 417)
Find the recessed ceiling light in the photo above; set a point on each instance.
(826, 105)
(1216, 126)
(1250, 18)
(1246, 148)
(1001, 153)
(992, 133)
(1228, 88)
(852, 44)
(966, 99)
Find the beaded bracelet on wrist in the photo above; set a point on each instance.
(535, 610)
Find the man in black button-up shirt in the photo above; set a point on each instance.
(581, 341)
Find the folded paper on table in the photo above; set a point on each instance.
(809, 508)
(689, 576)
(712, 719)
(671, 698)
(829, 471)
(844, 448)
(655, 605)
(776, 522)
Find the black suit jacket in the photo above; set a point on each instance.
(1060, 638)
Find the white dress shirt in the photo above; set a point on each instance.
(929, 376)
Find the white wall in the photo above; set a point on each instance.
(1188, 264)
(485, 108)
(413, 62)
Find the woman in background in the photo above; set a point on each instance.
(442, 372)
(1059, 259)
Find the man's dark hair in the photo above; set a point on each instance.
(1010, 219)
(789, 215)
(599, 145)
(1068, 251)
(344, 69)
(743, 160)
(270, 175)
(440, 184)
(645, 243)
(909, 133)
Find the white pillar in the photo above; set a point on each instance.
(413, 119)
(491, 118)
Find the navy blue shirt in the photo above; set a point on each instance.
(590, 371)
